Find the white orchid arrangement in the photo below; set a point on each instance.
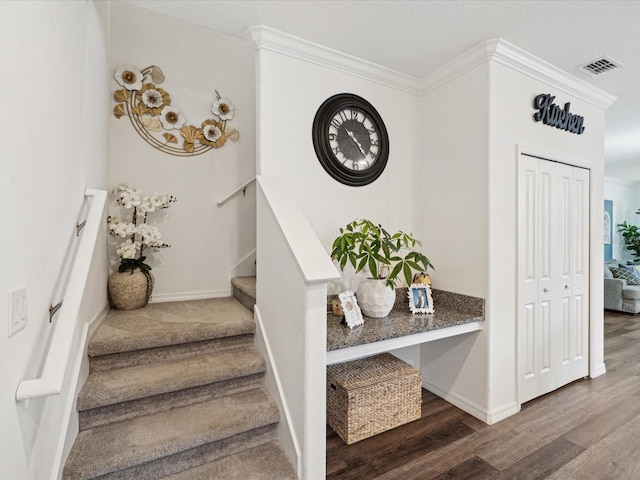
(137, 232)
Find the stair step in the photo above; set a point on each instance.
(163, 324)
(160, 444)
(244, 290)
(102, 363)
(264, 462)
(121, 394)
(120, 412)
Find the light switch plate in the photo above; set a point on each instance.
(18, 310)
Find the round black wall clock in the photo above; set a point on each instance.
(350, 139)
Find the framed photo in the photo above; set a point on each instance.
(420, 300)
(351, 309)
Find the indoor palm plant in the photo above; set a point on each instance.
(631, 235)
(367, 246)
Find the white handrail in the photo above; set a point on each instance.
(50, 382)
(236, 191)
(291, 310)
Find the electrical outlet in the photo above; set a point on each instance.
(18, 311)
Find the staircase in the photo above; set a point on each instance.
(175, 391)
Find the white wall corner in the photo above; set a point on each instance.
(469, 60)
(267, 38)
(496, 414)
(462, 403)
(514, 57)
(598, 370)
(507, 54)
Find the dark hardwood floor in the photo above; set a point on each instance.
(589, 429)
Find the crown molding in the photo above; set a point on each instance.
(497, 50)
(500, 51)
(266, 38)
(622, 183)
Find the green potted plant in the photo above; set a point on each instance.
(631, 235)
(386, 256)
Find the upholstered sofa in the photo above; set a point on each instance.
(618, 294)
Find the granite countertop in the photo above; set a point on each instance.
(451, 309)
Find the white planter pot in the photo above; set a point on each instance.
(375, 298)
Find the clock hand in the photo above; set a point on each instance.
(353, 137)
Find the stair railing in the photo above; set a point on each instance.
(291, 310)
(242, 188)
(55, 366)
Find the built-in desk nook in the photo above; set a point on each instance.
(455, 314)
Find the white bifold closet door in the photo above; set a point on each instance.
(553, 275)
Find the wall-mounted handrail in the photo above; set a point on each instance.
(53, 309)
(55, 366)
(242, 188)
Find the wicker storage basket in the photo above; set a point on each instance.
(369, 396)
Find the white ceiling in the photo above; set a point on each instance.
(417, 37)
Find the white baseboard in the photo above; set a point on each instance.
(70, 432)
(185, 296)
(497, 414)
(598, 370)
(286, 435)
(487, 416)
(460, 402)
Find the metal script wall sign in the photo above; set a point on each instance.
(149, 109)
(554, 116)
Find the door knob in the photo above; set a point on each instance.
(566, 287)
(546, 290)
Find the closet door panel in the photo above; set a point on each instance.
(528, 327)
(580, 274)
(553, 275)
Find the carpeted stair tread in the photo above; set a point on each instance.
(125, 411)
(166, 353)
(161, 324)
(125, 384)
(264, 462)
(113, 447)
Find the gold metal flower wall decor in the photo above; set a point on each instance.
(149, 109)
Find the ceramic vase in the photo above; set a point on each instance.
(375, 298)
(130, 290)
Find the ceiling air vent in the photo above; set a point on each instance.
(601, 65)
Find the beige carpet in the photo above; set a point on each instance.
(177, 389)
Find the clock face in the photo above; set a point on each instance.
(350, 139)
(354, 139)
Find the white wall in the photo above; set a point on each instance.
(54, 144)
(512, 126)
(481, 117)
(455, 225)
(287, 104)
(626, 201)
(207, 241)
